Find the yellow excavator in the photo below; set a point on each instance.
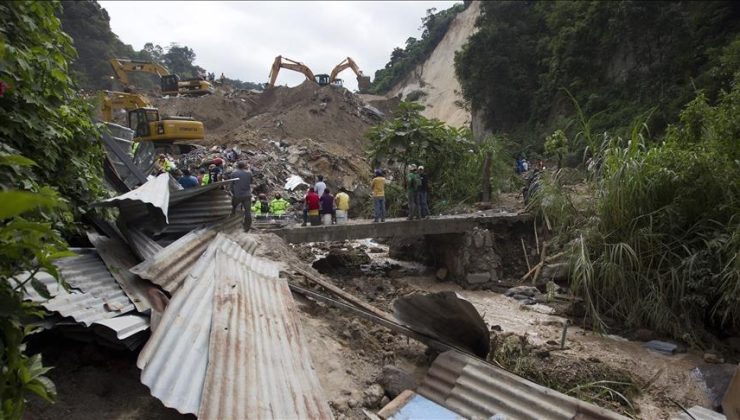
(146, 122)
(363, 82)
(170, 83)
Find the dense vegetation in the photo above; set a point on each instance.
(453, 161)
(658, 247)
(50, 170)
(619, 60)
(404, 60)
(89, 26)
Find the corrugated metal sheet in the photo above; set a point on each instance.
(94, 296)
(129, 330)
(169, 267)
(188, 193)
(118, 258)
(143, 246)
(476, 389)
(117, 141)
(150, 200)
(197, 211)
(699, 413)
(259, 364)
(272, 375)
(182, 336)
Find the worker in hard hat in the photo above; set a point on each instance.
(278, 205)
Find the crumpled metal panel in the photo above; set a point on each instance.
(188, 193)
(173, 362)
(260, 369)
(477, 389)
(141, 244)
(94, 296)
(207, 208)
(150, 200)
(129, 330)
(169, 267)
(118, 258)
(259, 364)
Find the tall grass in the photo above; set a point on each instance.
(660, 249)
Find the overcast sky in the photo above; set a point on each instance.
(241, 39)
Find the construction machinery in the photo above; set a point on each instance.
(170, 83)
(363, 82)
(147, 123)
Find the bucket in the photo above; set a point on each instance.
(326, 219)
(341, 216)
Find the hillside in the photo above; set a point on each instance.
(434, 82)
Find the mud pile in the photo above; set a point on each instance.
(284, 132)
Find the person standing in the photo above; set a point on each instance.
(320, 186)
(342, 205)
(412, 189)
(327, 207)
(378, 191)
(241, 191)
(312, 206)
(188, 180)
(423, 192)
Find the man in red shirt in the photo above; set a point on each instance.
(311, 205)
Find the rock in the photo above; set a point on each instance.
(352, 403)
(713, 358)
(372, 395)
(644, 334)
(662, 346)
(477, 278)
(528, 291)
(384, 401)
(441, 274)
(557, 271)
(396, 380)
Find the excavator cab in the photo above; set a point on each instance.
(170, 84)
(322, 79)
(337, 82)
(139, 119)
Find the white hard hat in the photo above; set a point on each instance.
(412, 167)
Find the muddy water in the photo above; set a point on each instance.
(664, 377)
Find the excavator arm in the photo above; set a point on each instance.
(287, 63)
(121, 68)
(121, 100)
(363, 82)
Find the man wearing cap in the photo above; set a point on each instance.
(412, 188)
(423, 192)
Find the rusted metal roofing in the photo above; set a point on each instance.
(118, 258)
(169, 267)
(477, 389)
(150, 200)
(259, 364)
(182, 335)
(258, 367)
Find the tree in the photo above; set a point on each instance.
(40, 117)
(179, 60)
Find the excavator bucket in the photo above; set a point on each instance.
(363, 83)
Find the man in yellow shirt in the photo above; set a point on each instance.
(342, 202)
(378, 191)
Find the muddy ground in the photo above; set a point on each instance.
(349, 354)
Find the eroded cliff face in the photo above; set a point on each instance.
(435, 78)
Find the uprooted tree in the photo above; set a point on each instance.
(49, 168)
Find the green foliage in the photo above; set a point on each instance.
(556, 144)
(661, 250)
(40, 116)
(404, 60)
(452, 160)
(26, 246)
(619, 60)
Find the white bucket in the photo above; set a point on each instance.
(326, 219)
(341, 216)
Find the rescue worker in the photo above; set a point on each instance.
(256, 206)
(311, 201)
(187, 180)
(327, 206)
(378, 190)
(207, 176)
(423, 192)
(163, 164)
(264, 205)
(241, 192)
(278, 205)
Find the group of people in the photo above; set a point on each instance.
(207, 173)
(320, 206)
(417, 188)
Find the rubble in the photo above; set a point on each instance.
(396, 380)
